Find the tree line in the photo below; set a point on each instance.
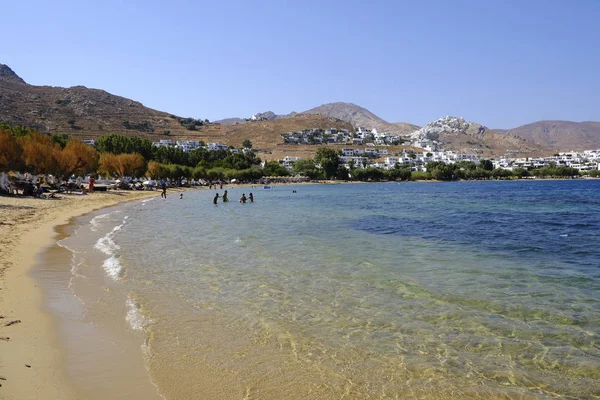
(115, 156)
(25, 150)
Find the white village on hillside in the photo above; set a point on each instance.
(376, 155)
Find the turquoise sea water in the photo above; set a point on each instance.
(411, 290)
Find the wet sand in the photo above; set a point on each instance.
(32, 363)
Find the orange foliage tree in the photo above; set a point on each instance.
(10, 152)
(77, 158)
(40, 154)
(120, 165)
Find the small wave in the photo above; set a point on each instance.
(147, 200)
(95, 222)
(105, 244)
(134, 316)
(113, 267)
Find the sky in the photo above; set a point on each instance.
(500, 63)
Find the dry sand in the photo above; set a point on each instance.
(31, 364)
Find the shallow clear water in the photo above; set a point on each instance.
(464, 290)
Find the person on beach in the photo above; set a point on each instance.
(251, 197)
(221, 186)
(243, 198)
(164, 191)
(225, 199)
(216, 198)
(91, 183)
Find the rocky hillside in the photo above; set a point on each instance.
(460, 135)
(90, 113)
(351, 113)
(561, 135)
(359, 116)
(77, 110)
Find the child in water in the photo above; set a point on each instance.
(216, 198)
(243, 198)
(251, 197)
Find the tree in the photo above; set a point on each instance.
(60, 139)
(342, 173)
(520, 172)
(77, 158)
(121, 165)
(10, 152)
(398, 173)
(156, 170)
(171, 155)
(486, 165)
(303, 165)
(442, 173)
(247, 144)
(329, 160)
(40, 154)
(273, 168)
(118, 144)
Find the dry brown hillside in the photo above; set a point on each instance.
(77, 111)
(266, 134)
(359, 116)
(562, 135)
(90, 113)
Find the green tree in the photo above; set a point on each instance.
(60, 139)
(273, 168)
(117, 144)
(486, 165)
(329, 161)
(247, 144)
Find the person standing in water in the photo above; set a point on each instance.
(225, 199)
(251, 197)
(216, 198)
(243, 198)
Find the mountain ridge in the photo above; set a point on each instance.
(89, 113)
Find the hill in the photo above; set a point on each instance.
(561, 135)
(77, 110)
(464, 136)
(359, 116)
(90, 113)
(351, 113)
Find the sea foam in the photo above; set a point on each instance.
(113, 267)
(95, 222)
(134, 316)
(107, 245)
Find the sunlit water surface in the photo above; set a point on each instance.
(412, 290)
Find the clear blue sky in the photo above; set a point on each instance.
(499, 63)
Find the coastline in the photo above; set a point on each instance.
(31, 361)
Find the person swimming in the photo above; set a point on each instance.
(216, 198)
(251, 197)
(180, 196)
(243, 198)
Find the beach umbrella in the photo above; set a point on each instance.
(234, 180)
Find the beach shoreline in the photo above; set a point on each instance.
(32, 363)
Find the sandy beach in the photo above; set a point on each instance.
(31, 363)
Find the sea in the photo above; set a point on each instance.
(458, 290)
